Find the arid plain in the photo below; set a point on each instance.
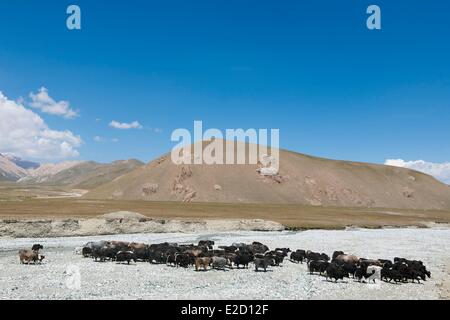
(31, 202)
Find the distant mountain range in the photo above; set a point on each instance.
(25, 164)
(75, 174)
(10, 168)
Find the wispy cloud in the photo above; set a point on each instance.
(114, 140)
(99, 139)
(24, 133)
(440, 171)
(46, 104)
(125, 126)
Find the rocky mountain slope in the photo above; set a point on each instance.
(25, 164)
(9, 169)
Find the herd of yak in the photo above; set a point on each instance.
(204, 256)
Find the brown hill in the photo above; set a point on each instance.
(301, 179)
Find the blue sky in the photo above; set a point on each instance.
(310, 68)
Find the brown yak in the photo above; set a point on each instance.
(27, 256)
(202, 262)
(348, 258)
(135, 246)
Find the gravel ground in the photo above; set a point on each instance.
(54, 278)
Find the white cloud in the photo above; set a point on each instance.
(114, 140)
(42, 101)
(25, 134)
(99, 139)
(125, 126)
(440, 171)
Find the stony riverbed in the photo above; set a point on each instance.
(57, 277)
